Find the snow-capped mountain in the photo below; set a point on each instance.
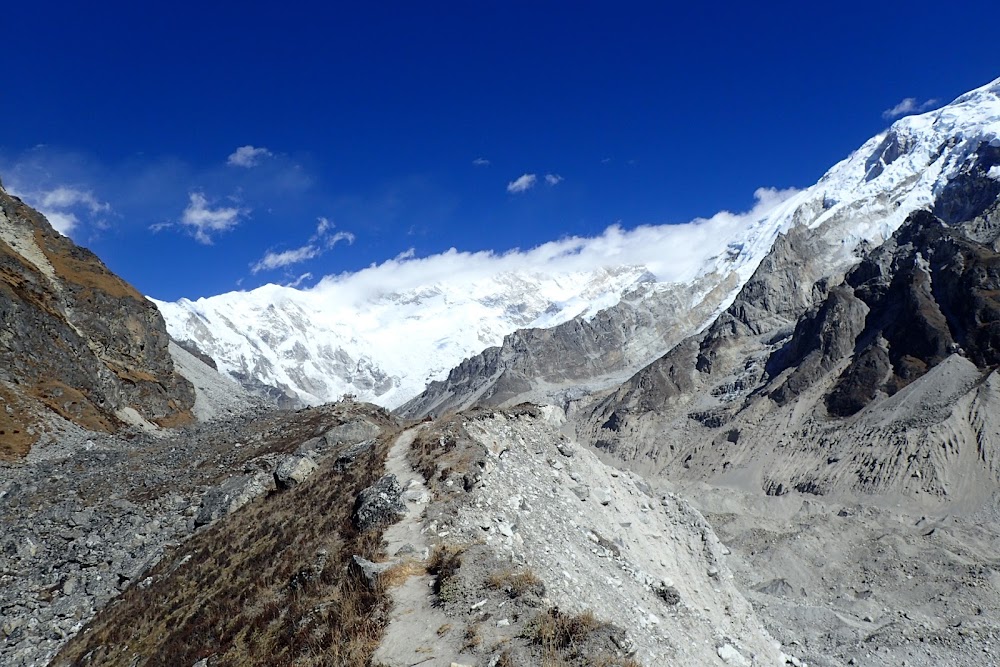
(385, 332)
(318, 344)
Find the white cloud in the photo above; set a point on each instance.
(553, 179)
(321, 241)
(908, 106)
(522, 184)
(247, 156)
(994, 172)
(323, 226)
(67, 197)
(481, 162)
(205, 220)
(671, 252)
(277, 260)
(338, 237)
(298, 281)
(63, 205)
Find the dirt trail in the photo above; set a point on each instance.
(412, 636)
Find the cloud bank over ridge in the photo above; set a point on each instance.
(672, 252)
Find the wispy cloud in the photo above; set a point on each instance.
(204, 220)
(907, 106)
(523, 183)
(301, 279)
(63, 204)
(247, 156)
(321, 241)
(481, 162)
(277, 260)
(553, 179)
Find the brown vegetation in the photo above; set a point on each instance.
(271, 584)
(516, 582)
(564, 640)
(18, 426)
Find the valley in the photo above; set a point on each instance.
(784, 452)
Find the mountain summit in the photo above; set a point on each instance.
(944, 160)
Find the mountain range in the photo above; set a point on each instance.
(384, 338)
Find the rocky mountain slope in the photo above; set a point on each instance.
(944, 160)
(385, 342)
(431, 541)
(569, 360)
(76, 340)
(887, 383)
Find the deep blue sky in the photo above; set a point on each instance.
(373, 113)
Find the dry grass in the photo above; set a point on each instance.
(16, 419)
(400, 573)
(556, 631)
(444, 563)
(574, 639)
(73, 405)
(471, 639)
(249, 589)
(79, 266)
(516, 582)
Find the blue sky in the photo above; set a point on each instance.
(201, 149)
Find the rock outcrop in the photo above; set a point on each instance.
(76, 339)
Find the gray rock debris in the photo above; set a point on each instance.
(731, 656)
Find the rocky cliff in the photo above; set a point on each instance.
(883, 384)
(76, 339)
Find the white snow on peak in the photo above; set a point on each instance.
(382, 341)
(383, 332)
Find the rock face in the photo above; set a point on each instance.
(76, 339)
(881, 385)
(563, 362)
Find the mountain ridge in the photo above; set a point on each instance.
(78, 341)
(943, 160)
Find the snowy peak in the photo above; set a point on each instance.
(384, 332)
(380, 344)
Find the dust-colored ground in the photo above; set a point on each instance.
(865, 581)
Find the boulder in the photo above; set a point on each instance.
(353, 453)
(293, 470)
(351, 433)
(379, 505)
(371, 571)
(232, 495)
